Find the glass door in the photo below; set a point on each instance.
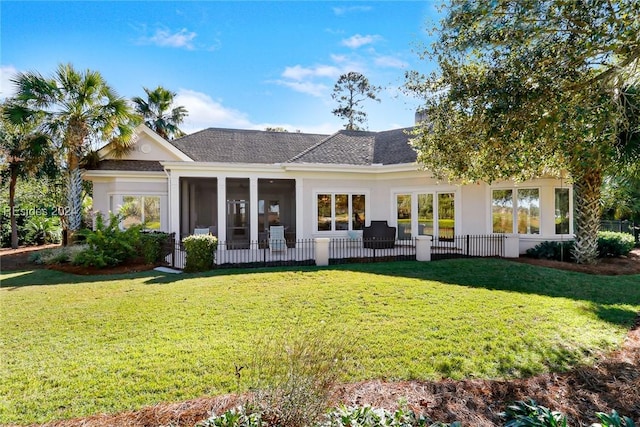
(238, 224)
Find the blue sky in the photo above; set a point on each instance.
(233, 64)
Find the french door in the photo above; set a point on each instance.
(425, 213)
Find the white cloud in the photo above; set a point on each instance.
(298, 72)
(339, 11)
(391, 62)
(358, 40)
(204, 112)
(165, 38)
(7, 88)
(308, 87)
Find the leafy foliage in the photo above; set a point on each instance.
(158, 114)
(108, 245)
(293, 375)
(200, 252)
(528, 88)
(612, 244)
(61, 255)
(25, 151)
(530, 414)
(376, 417)
(78, 108)
(351, 90)
(41, 230)
(613, 420)
(154, 246)
(559, 251)
(235, 417)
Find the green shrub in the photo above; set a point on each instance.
(237, 417)
(612, 244)
(40, 230)
(522, 414)
(377, 417)
(153, 246)
(613, 420)
(61, 255)
(200, 250)
(559, 251)
(108, 245)
(293, 374)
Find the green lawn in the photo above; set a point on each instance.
(73, 346)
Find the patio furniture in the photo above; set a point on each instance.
(277, 241)
(200, 231)
(379, 235)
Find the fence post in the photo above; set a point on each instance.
(511, 246)
(322, 251)
(423, 248)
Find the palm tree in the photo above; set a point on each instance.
(80, 110)
(158, 114)
(24, 151)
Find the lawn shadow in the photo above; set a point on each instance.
(45, 277)
(603, 292)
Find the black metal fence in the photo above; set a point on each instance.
(341, 251)
(621, 227)
(468, 246)
(345, 251)
(251, 254)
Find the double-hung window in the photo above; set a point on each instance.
(340, 211)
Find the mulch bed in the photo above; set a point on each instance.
(612, 383)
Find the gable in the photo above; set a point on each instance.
(149, 147)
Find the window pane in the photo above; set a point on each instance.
(425, 214)
(446, 215)
(562, 211)
(502, 211)
(131, 211)
(403, 209)
(357, 207)
(342, 212)
(151, 212)
(324, 212)
(528, 211)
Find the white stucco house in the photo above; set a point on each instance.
(238, 183)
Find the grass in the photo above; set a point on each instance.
(74, 346)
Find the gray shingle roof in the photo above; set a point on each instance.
(253, 146)
(129, 165)
(245, 146)
(392, 147)
(359, 148)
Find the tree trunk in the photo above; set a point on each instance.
(74, 204)
(12, 209)
(586, 187)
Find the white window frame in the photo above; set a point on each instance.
(333, 193)
(514, 197)
(117, 201)
(570, 209)
(435, 191)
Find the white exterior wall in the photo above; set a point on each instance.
(108, 193)
(472, 202)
